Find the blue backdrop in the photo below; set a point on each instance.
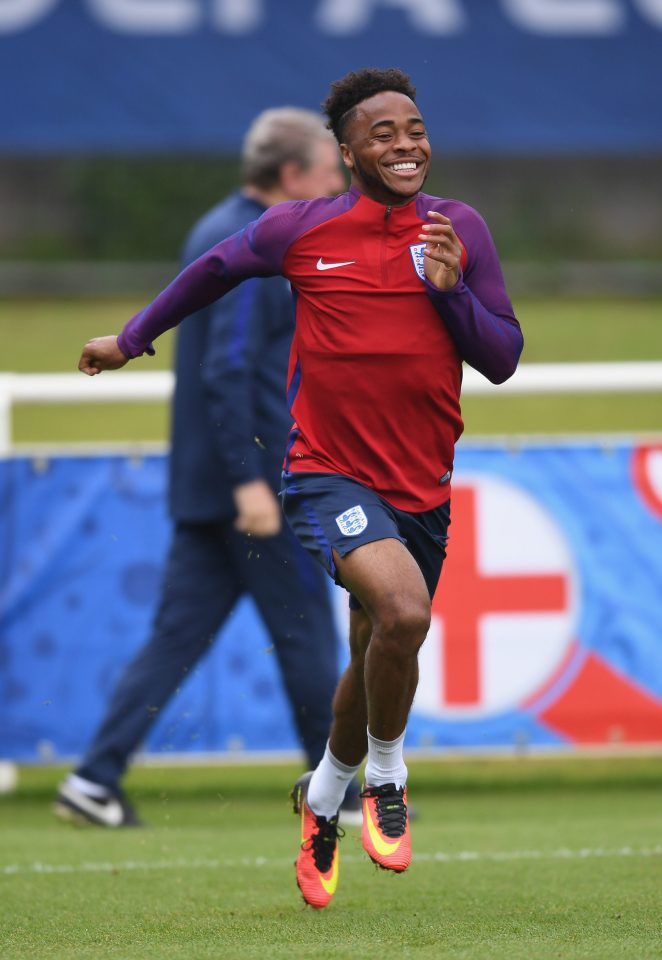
(187, 75)
(82, 540)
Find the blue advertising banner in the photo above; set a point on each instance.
(189, 75)
(546, 625)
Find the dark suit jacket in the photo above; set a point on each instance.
(229, 418)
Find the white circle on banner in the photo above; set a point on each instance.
(504, 615)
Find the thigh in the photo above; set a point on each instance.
(386, 581)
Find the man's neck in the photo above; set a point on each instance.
(268, 198)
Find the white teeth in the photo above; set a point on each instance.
(404, 166)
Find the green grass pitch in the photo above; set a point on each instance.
(513, 859)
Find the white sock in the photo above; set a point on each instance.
(326, 790)
(88, 787)
(386, 762)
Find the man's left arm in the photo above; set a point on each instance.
(237, 343)
(473, 301)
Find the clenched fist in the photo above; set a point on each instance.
(101, 353)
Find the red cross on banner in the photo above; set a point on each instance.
(467, 594)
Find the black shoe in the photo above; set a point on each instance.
(111, 811)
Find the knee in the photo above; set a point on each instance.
(400, 631)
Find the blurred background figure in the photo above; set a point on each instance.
(229, 427)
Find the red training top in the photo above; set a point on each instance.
(376, 362)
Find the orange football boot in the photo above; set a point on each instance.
(318, 860)
(385, 835)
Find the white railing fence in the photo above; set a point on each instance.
(157, 385)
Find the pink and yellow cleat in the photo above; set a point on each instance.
(318, 860)
(385, 835)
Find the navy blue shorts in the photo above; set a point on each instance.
(329, 512)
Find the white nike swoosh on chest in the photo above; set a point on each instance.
(330, 266)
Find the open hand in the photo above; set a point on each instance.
(101, 353)
(443, 251)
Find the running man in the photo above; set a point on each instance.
(394, 289)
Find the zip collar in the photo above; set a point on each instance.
(357, 194)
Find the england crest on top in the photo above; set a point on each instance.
(416, 250)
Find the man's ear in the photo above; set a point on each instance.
(288, 177)
(347, 156)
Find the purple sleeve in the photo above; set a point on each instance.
(255, 251)
(477, 311)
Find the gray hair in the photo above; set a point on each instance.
(278, 136)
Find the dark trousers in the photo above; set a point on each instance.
(209, 567)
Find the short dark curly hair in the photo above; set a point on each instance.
(357, 86)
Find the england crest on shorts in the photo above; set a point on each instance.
(416, 250)
(352, 522)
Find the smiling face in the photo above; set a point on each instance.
(386, 148)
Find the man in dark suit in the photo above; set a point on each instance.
(229, 428)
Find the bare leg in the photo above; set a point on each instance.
(390, 587)
(348, 741)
